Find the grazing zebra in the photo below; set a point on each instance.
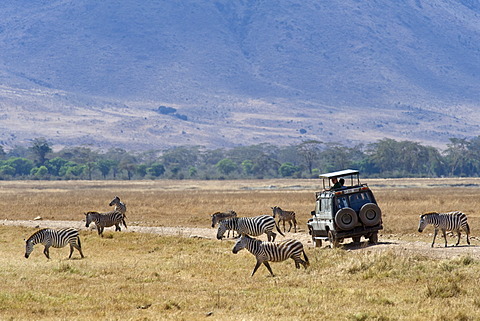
(220, 216)
(270, 251)
(284, 216)
(54, 238)
(253, 226)
(103, 220)
(452, 221)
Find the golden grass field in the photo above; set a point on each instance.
(135, 276)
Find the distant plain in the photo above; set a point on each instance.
(135, 276)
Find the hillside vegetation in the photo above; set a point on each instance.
(245, 72)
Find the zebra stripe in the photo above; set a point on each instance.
(103, 220)
(451, 221)
(220, 216)
(54, 238)
(285, 216)
(253, 226)
(273, 252)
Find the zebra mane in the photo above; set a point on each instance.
(36, 232)
(429, 213)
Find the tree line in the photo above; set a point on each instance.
(387, 158)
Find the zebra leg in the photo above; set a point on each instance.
(71, 251)
(444, 232)
(467, 231)
(117, 227)
(271, 236)
(100, 231)
(268, 267)
(123, 221)
(78, 246)
(46, 252)
(256, 267)
(295, 225)
(434, 236)
(307, 263)
(458, 239)
(284, 229)
(290, 228)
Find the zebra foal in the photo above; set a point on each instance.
(253, 226)
(451, 221)
(273, 252)
(285, 216)
(220, 216)
(103, 220)
(119, 205)
(54, 238)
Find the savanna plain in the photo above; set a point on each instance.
(142, 276)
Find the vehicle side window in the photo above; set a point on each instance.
(342, 202)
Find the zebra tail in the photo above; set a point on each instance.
(306, 257)
(278, 229)
(123, 221)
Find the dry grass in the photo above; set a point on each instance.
(132, 276)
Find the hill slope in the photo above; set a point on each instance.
(244, 72)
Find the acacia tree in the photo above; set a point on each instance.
(310, 150)
(40, 148)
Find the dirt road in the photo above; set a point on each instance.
(389, 243)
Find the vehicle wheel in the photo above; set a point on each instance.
(356, 239)
(374, 238)
(334, 242)
(346, 218)
(316, 242)
(370, 214)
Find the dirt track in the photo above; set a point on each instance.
(385, 243)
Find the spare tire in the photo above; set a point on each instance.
(370, 214)
(346, 218)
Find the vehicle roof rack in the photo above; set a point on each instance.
(353, 173)
(345, 172)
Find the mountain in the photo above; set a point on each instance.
(156, 74)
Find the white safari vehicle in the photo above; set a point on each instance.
(344, 211)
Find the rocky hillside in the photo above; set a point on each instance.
(154, 74)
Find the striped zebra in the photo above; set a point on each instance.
(253, 226)
(285, 216)
(220, 216)
(103, 220)
(119, 206)
(273, 252)
(54, 238)
(451, 221)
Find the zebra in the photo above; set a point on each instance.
(253, 226)
(119, 206)
(103, 220)
(54, 238)
(451, 221)
(285, 216)
(220, 216)
(270, 251)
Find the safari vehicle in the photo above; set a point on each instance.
(344, 211)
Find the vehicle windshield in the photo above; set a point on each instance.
(354, 201)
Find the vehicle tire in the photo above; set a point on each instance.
(316, 242)
(334, 242)
(373, 238)
(346, 218)
(370, 214)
